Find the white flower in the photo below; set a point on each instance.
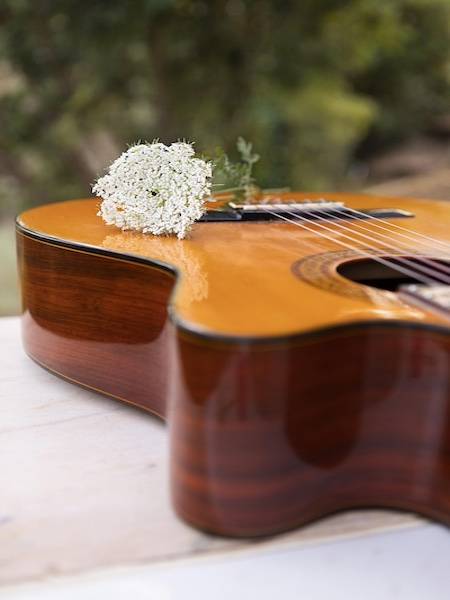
(155, 188)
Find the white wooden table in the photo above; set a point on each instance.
(85, 512)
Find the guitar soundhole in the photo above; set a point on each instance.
(374, 274)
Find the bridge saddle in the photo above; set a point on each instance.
(297, 207)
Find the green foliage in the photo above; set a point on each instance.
(309, 82)
(235, 176)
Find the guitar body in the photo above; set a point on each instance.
(291, 389)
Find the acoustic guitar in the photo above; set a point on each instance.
(298, 347)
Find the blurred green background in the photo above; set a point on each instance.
(334, 94)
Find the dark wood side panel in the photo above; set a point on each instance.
(264, 439)
(97, 320)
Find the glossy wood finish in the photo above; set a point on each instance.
(265, 438)
(313, 402)
(97, 321)
(232, 275)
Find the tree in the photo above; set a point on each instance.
(310, 83)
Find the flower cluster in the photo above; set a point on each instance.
(155, 188)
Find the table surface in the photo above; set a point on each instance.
(84, 504)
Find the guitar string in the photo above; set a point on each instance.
(433, 272)
(361, 251)
(384, 222)
(400, 227)
(318, 246)
(325, 248)
(411, 264)
(418, 237)
(430, 271)
(441, 228)
(426, 258)
(358, 249)
(422, 258)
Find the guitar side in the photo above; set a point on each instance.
(265, 434)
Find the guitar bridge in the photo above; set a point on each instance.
(312, 209)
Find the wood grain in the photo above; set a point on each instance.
(345, 404)
(97, 321)
(84, 484)
(233, 275)
(264, 438)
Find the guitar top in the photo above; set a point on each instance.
(267, 278)
(299, 348)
